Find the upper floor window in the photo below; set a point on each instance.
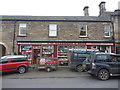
(83, 30)
(22, 29)
(107, 30)
(53, 30)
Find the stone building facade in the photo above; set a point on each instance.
(116, 23)
(54, 36)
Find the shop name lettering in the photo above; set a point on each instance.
(52, 43)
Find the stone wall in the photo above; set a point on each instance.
(37, 30)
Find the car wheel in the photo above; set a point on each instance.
(22, 70)
(48, 69)
(79, 68)
(103, 74)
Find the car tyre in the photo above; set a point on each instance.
(22, 69)
(103, 74)
(79, 68)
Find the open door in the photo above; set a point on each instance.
(36, 54)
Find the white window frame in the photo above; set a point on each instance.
(22, 26)
(86, 28)
(52, 30)
(105, 31)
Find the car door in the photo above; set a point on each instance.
(15, 62)
(114, 64)
(118, 63)
(4, 65)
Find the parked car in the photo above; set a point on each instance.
(76, 60)
(104, 65)
(14, 63)
(86, 63)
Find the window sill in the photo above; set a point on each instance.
(106, 36)
(83, 36)
(52, 36)
(22, 35)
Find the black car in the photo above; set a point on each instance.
(86, 63)
(76, 60)
(104, 65)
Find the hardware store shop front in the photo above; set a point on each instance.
(59, 49)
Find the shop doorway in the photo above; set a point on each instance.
(36, 54)
(2, 50)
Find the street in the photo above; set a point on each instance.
(62, 78)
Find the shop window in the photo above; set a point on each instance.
(104, 49)
(63, 55)
(22, 29)
(47, 51)
(83, 30)
(77, 47)
(53, 30)
(93, 47)
(26, 50)
(107, 30)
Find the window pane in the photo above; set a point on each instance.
(52, 33)
(107, 30)
(22, 29)
(82, 55)
(83, 30)
(102, 57)
(83, 27)
(107, 34)
(53, 27)
(118, 59)
(52, 30)
(83, 33)
(2, 61)
(106, 27)
(23, 25)
(19, 59)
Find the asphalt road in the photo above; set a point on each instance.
(62, 78)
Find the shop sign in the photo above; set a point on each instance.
(36, 47)
(52, 43)
(99, 43)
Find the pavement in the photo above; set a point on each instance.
(62, 72)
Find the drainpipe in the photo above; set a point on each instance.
(14, 37)
(113, 36)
